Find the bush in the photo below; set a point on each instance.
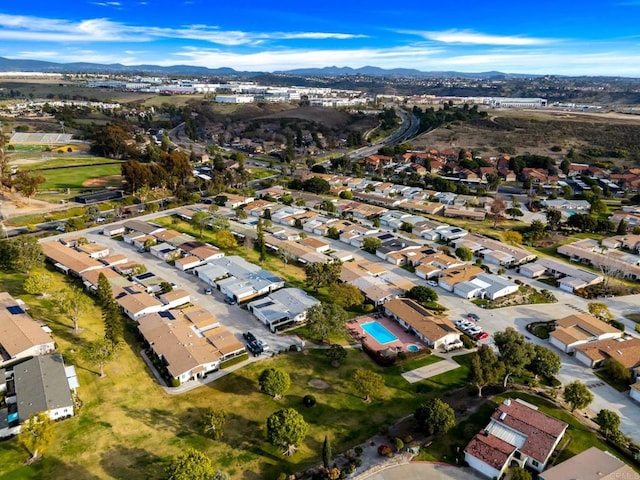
(385, 451)
(175, 382)
(616, 324)
(468, 342)
(293, 348)
(358, 450)
(282, 476)
(408, 439)
(357, 462)
(367, 308)
(309, 401)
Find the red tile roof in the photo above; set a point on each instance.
(542, 431)
(490, 449)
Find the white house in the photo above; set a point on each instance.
(282, 308)
(163, 251)
(20, 335)
(518, 433)
(113, 229)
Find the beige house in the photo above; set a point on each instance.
(579, 329)
(592, 464)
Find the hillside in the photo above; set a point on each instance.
(594, 137)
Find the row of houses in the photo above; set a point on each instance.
(610, 261)
(33, 378)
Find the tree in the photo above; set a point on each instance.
(545, 362)
(367, 383)
(616, 371)
(519, 473)
(514, 213)
(21, 254)
(100, 352)
(261, 245)
(37, 283)
(577, 395)
(497, 210)
(609, 422)
(72, 302)
(241, 214)
(199, 221)
(322, 274)
(113, 327)
(138, 269)
(485, 368)
(515, 352)
(435, 417)
(213, 422)
(326, 452)
(554, 216)
(512, 237)
(537, 230)
(598, 207)
(622, 227)
(36, 434)
(336, 354)
(326, 319)
(316, 185)
(600, 311)
(398, 444)
(166, 287)
(464, 253)
(225, 240)
(27, 182)
(190, 465)
(274, 382)
(346, 295)
(104, 293)
(422, 294)
(328, 206)
(333, 233)
(371, 244)
(286, 428)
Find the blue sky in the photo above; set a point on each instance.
(568, 37)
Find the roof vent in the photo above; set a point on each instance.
(503, 415)
(507, 401)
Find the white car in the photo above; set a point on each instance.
(473, 331)
(432, 283)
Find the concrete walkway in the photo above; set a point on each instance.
(428, 371)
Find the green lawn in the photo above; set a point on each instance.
(73, 178)
(128, 427)
(58, 162)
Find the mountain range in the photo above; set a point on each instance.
(19, 65)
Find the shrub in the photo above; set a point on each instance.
(617, 324)
(408, 439)
(309, 400)
(638, 328)
(385, 451)
(468, 342)
(358, 450)
(357, 462)
(367, 308)
(282, 476)
(293, 348)
(175, 382)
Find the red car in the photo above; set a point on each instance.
(482, 336)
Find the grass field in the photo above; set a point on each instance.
(128, 427)
(73, 178)
(76, 160)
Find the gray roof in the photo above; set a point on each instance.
(288, 301)
(467, 287)
(41, 385)
(144, 227)
(243, 274)
(566, 269)
(496, 282)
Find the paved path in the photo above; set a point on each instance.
(423, 470)
(428, 371)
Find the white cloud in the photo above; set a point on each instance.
(26, 28)
(475, 38)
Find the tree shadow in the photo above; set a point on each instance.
(52, 467)
(155, 418)
(235, 384)
(122, 462)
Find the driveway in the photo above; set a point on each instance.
(422, 470)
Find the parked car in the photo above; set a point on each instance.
(473, 316)
(432, 283)
(264, 345)
(255, 348)
(473, 331)
(208, 291)
(482, 336)
(249, 337)
(229, 301)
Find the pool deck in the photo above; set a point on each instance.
(404, 339)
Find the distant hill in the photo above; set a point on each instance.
(20, 65)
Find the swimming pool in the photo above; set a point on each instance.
(413, 348)
(379, 332)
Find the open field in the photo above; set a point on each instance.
(76, 177)
(65, 161)
(536, 132)
(128, 427)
